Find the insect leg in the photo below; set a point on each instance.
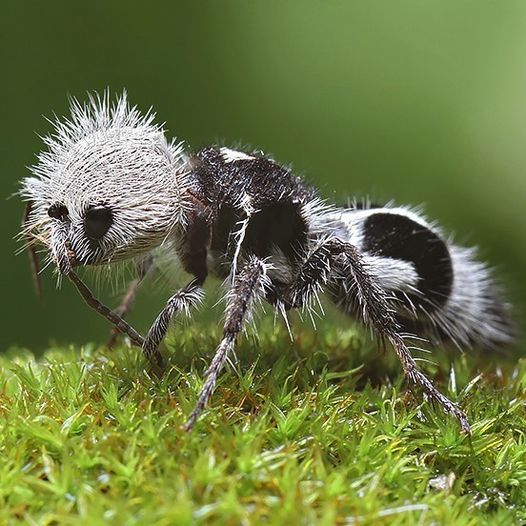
(182, 300)
(128, 299)
(335, 256)
(248, 285)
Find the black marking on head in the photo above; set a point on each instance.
(397, 236)
(58, 211)
(97, 222)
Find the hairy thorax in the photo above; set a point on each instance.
(240, 199)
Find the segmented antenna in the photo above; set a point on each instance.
(104, 311)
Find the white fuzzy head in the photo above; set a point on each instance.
(108, 187)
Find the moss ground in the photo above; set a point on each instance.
(322, 430)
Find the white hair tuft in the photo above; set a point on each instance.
(109, 154)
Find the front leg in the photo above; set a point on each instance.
(247, 286)
(187, 297)
(337, 259)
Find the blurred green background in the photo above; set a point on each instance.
(421, 101)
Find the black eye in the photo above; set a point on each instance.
(97, 221)
(58, 212)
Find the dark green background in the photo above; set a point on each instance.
(422, 101)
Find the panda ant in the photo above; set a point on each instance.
(110, 187)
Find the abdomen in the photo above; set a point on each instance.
(438, 288)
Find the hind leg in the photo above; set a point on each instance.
(320, 267)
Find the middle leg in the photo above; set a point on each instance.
(248, 286)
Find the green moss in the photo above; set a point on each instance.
(303, 434)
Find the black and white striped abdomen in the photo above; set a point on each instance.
(439, 288)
